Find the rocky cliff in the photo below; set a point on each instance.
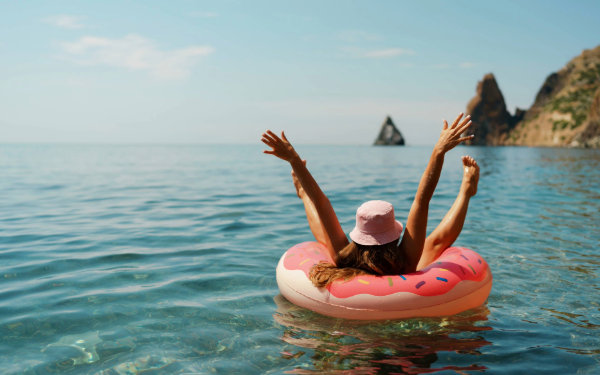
(491, 120)
(566, 111)
(389, 134)
(590, 136)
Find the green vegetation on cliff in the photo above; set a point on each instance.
(566, 111)
(576, 103)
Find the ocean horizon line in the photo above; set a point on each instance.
(190, 144)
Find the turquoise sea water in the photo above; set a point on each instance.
(161, 260)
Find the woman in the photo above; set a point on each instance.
(374, 248)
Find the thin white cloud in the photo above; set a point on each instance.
(440, 66)
(354, 36)
(389, 52)
(466, 65)
(136, 53)
(376, 54)
(204, 14)
(65, 21)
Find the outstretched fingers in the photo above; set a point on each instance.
(462, 139)
(464, 127)
(280, 147)
(464, 121)
(271, 152)
(268, 142)
(267, 135)
(274, 136)
(445, 124)
(460, 115)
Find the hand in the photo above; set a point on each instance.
(281, 146)
(451, 137)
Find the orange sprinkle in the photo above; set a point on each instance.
(442, 269)
(304, 261)
(362, 281)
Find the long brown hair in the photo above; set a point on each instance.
(356, 259)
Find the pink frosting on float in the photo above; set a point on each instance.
(456, 264)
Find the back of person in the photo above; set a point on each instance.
(374, 248)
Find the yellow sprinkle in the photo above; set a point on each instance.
(442, 269)
(362, 281)
(304, 261)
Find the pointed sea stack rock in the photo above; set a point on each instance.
(389, 135)
(491, 121)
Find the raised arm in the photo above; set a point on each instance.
(415, 234)
(281, 147)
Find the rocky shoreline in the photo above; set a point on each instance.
(566, 111)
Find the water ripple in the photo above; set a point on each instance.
(162, 259)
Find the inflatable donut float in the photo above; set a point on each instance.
(460, 279)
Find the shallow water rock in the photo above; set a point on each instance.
(144, 364)
(84, 343)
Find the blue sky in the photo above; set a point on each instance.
(224, 71)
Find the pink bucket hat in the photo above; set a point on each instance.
(375, 224)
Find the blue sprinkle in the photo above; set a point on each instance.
(464, 257)
(442, 279)
(479, 260)
(403, 278)
(420, 284)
